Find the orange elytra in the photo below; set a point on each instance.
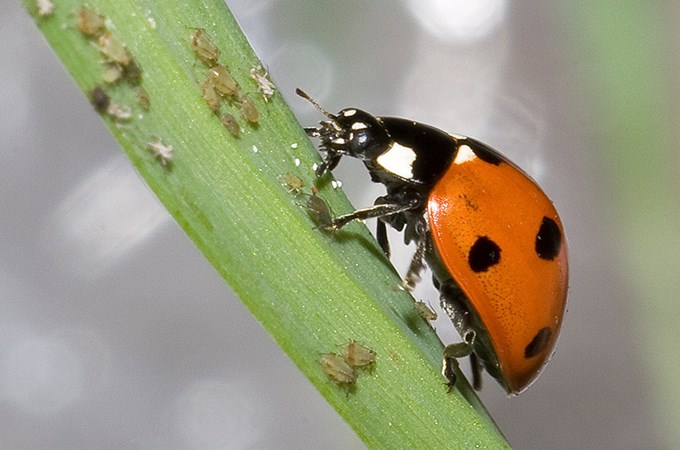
(500, 238)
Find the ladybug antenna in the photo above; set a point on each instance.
(304, 95)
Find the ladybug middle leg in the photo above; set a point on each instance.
(381, 236)
(416, 230)
(377, 210)
(400, 208)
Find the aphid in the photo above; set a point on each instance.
(318, 210)
(339, 371)
(119, 112)
(45, 7)
(113, 49)
(222, 81)
(491, 237)
(100, 99)
(212, 99)
(231, 124)
(142, 98)
(264, 84)
(133, 73)
(425, 311)
(293, 183)
(359, 356)
(164, 153)
(89, 22)
(248, 109)
(203, 46)
(111, 73)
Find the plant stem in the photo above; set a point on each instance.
(312, 291)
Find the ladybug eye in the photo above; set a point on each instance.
(484, 253)
(538, 343)
(548, 240)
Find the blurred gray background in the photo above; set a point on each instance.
(116, 333)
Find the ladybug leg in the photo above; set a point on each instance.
(452, 353)
(329, 163)
(381, 236)
(453, 303)
(449, 371)
(417, 265)
(416, 230)
(380, 210)
(477, 370)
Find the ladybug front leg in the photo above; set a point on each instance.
(329, 163)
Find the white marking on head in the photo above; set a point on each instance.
(349, 112)
(465, 154)
(398, 160)
(359, 126)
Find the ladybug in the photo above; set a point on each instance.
(492, 239)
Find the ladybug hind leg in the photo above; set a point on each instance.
(477, 369)
(453, 304)
(452, 353)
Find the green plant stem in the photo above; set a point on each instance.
(312, 291)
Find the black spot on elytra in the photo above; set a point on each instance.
(486, 154)
(548, 239)
(538, 343)
(484, 253)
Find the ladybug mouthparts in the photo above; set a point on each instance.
(333, 143)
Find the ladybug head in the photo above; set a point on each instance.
(350, 132)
